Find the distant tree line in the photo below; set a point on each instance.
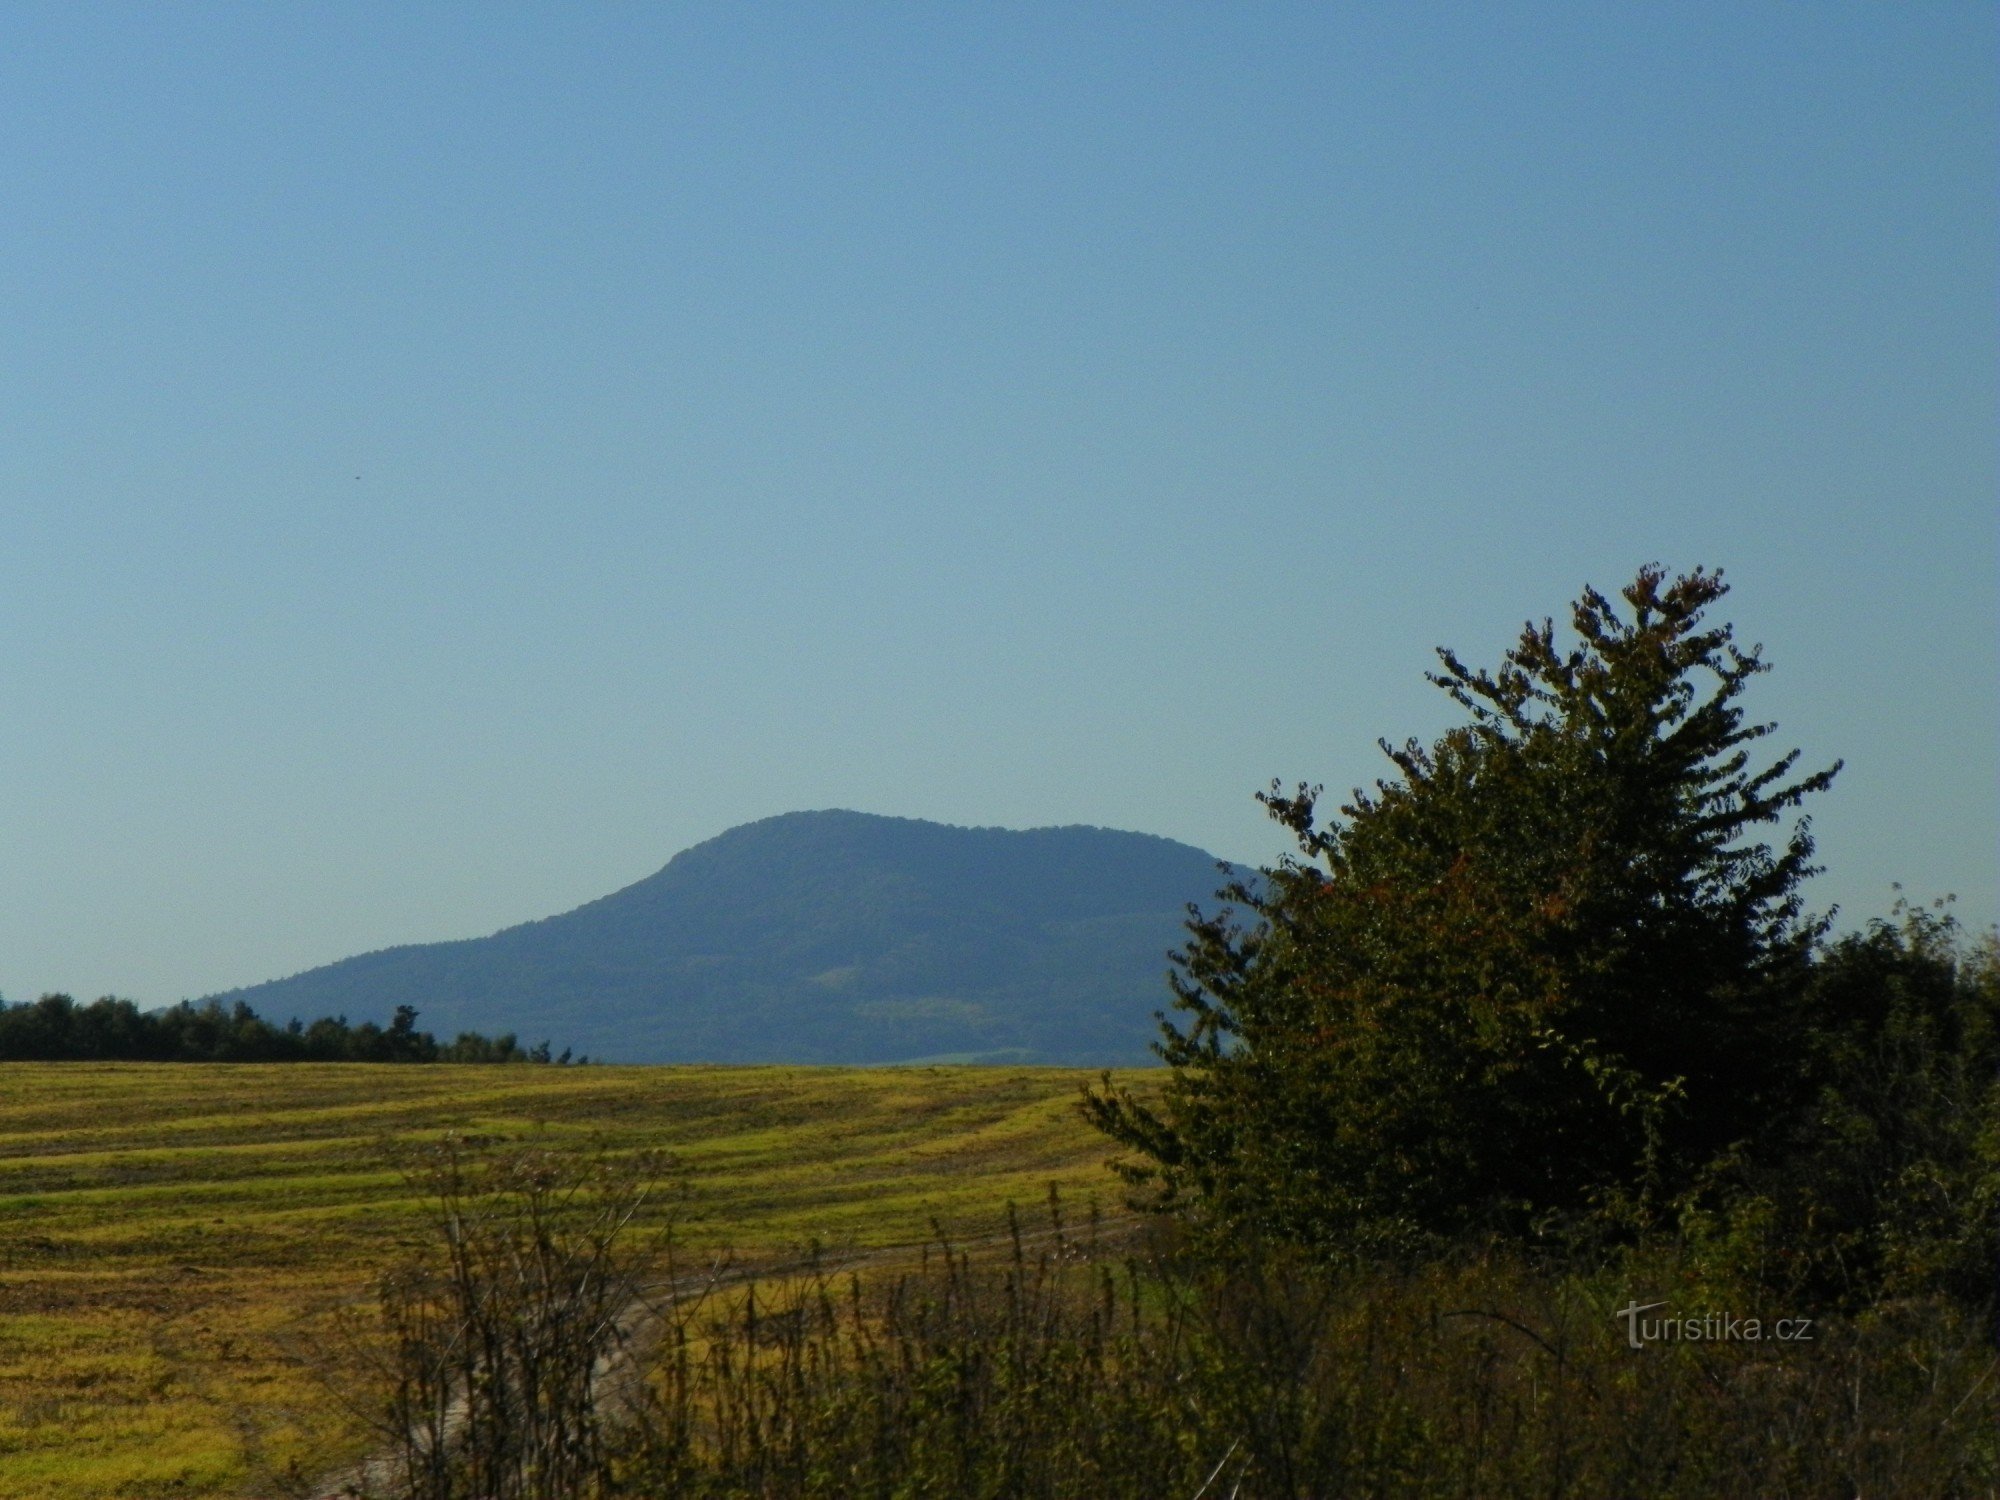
(57, 1029)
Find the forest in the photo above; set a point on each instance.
(56, 1028)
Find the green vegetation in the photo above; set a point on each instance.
(1547, 1005)
(1547, 974)
(56, 1029)
(1549, 988)
(1057, 1370)
(176, 1241)
(1882, 1182)
(1042, 1378)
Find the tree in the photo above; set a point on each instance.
(1547, 970)
(1889, 1182)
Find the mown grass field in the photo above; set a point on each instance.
(177, 1240)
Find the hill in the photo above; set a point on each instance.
(825, 937)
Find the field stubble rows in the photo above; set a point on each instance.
(175, 1239)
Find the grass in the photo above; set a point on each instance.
(173, 1238)
(178, 1243)
(1061, 1376)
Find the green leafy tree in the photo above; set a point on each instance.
(1549, 970)
(1885, 1182)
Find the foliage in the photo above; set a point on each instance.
(1545, 974)
(57, 1029)
(1885, 1182)
(968, 1374)
(1051, 1367)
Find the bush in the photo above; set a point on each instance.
(501, 1340)
(1884, 1183)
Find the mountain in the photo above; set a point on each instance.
(835, 937)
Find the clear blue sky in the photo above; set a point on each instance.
(452, 458)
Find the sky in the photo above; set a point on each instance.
(454, 457)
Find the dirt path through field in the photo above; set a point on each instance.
(375, 1477)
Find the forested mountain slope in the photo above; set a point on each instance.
(819, 937)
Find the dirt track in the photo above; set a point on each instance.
(374, 1478)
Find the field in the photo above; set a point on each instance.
(176, 1240)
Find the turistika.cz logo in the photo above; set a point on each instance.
(1707, 1328)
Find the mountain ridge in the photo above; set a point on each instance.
(820, 936)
